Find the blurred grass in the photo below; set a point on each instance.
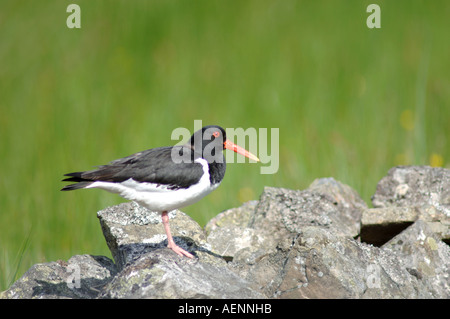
(350, 102)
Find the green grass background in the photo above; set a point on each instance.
(350, 102)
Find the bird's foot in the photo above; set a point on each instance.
(180, 251)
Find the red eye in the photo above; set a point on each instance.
(216, 134)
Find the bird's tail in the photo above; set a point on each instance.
(80, 182)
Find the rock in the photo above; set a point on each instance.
(163, 274)
(131, 230)
(81, 277)
(379, 225)
(145, 267)
(234, 229)
(314, 243)
(348, 201)
(425, 257)
(407, 194)
(226, 241)
(315, 257)
(238, 217)
(414, 186)
(150, 270)
(322, 264)
(228, 232)
(317, 260)
(282, 209)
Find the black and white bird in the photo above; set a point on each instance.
(165, 178)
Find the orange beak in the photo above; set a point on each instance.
(231, 146)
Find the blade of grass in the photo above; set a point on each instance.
(20, 255)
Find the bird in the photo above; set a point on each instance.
(163, 179)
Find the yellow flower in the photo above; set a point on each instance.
(436, 160)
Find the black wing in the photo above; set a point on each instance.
(152, 166)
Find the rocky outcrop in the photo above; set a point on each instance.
(407, 194)
(147, 269)
(81, 277)
(322, 242)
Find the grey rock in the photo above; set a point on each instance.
(424, 256)
(322, 264)
(238, 217)
(407, 194)
(227, 241)
(150, 270)
(81, 277)
(280, 210)
(228, 232)
(131, 230)
(347, 200)
(379, 225)
(163, 274)
(314, 243)
(414, 186)
(315, 257)
(389, 215)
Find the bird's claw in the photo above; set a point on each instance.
(180, 251)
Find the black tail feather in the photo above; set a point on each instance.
(75, 177)
(79, 185)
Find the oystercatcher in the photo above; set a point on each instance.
(165, 178)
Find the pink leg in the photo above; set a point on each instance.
(171, 244)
